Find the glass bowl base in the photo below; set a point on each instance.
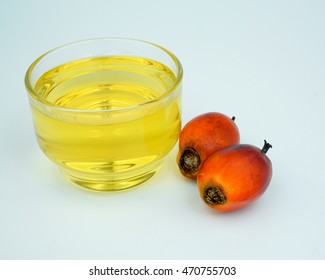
(110, 182)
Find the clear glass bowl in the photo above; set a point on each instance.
(106, 110)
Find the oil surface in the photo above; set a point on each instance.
(97, 147)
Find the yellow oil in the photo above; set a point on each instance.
(111, 134)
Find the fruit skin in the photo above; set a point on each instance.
(234, 177)
(202, 136)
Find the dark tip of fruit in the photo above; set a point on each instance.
(214, 196)
(190, 161)
(266, 147)
(233, 118)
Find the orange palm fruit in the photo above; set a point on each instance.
(234, 177)
(201, 137)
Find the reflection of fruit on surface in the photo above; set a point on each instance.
(202, 136)
(235, 176)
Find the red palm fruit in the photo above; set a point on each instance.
(201, 137)
(234, 177)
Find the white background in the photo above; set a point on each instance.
(261, 61)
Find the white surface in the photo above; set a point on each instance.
(261, 61)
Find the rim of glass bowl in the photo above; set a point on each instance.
(168, 94)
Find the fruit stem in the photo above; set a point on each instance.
(233, 118)
(266, 147)
(214, 196)
(190, 161)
